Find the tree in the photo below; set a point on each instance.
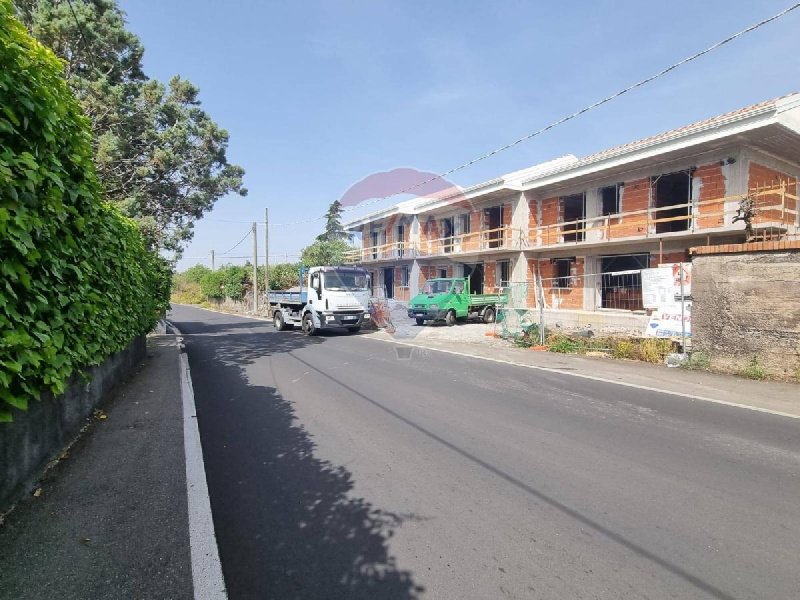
(158, 155)
(323, 252)
(333, 225)
(282, 276)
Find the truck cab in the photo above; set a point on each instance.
(328, 297)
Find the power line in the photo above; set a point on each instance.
(569, 117)
(246, 235)
(586, 109)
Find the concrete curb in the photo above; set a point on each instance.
(207, 578)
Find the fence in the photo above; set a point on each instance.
(618, 293)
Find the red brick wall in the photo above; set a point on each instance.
(669, 257)
(400, 293)
(489, 277)
(552, 213)
(533, 222)
(570, 298)
(712, 187)
(507, 209)
(760, 177)
(635, 197)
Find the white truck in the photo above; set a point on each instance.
(328, 297)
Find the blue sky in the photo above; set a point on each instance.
(318, 95)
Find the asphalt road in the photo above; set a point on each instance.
(341, 467)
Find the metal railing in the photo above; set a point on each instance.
(776, 213)
(773, 206)
(499, 238)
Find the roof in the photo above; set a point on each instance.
(569, 166)
(727, 124)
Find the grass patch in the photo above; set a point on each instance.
(753, 370)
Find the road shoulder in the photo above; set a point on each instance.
(111, 519)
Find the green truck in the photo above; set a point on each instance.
(450, 300)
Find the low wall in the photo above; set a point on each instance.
(747, 304)
(39, 434)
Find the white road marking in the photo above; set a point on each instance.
(560, 372)
(590, 377)
(207, 577)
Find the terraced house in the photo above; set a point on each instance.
(573, 233)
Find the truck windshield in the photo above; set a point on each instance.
(437, 286)
(346, 281)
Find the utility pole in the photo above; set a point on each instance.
(255, 268)
(212, 260)
(266, 250)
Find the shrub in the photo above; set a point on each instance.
(654, 350)
(563, 344)
(697, 361)
(78, 282)
(753, 370)
(623, 349)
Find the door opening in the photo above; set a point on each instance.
(674, 189)
(388, 282)
(494, 220)
(475, 275)
(574, 214)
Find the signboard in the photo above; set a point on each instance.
(662, 285)
(676, 276)
(658, 287)
(665, 322)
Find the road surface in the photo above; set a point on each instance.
(342, 467)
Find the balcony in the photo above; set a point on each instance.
(775, 210)
(502, 238)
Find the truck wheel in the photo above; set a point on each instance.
(420, 321)
(450, 318)
(489, 315)
(355, 329)
(277, 320)
(308, 325)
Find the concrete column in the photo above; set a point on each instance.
(520, 218)
(519, 279)
(413, 275)
(591, 292)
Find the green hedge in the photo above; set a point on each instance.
(76, 281)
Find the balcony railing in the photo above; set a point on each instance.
(774, 208)
(491, 239)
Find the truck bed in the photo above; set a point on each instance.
(288, 297)
(485, 299)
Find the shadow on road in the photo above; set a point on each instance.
(285, 524)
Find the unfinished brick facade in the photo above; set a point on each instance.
(760, 178)
(712, 185)
(651, 199)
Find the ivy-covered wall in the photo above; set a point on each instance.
(77, 283)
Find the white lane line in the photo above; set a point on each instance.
(570, 373)
(590, 377)
(206, 568)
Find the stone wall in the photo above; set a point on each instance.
(38, 435)
(747, 304)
